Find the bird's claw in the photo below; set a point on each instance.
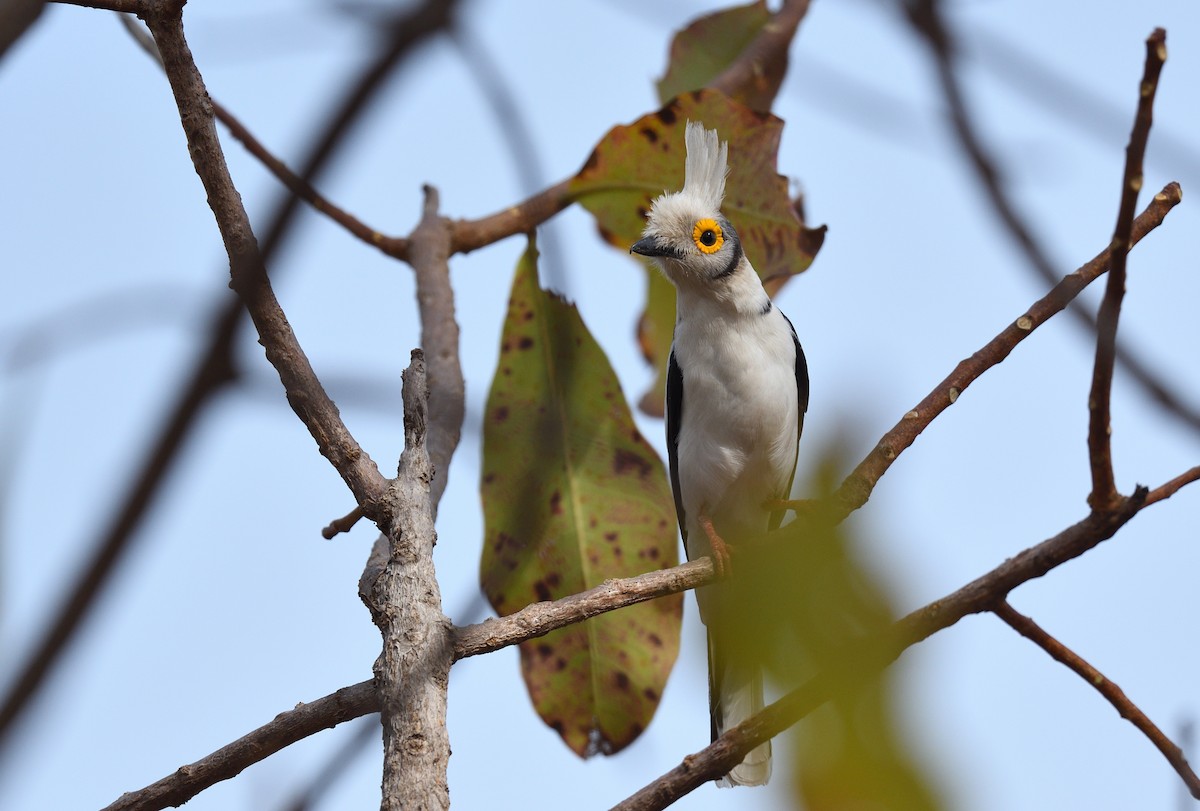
(722, 553)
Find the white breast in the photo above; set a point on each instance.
(738, 429)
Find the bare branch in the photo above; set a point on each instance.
(1114, 694)
(344, 524)
(229, 761)
(856, 489)
(429, 256)
(1104, 488)
(1165, 491)
(468, 235)
(413, 670)
(539, 619)
(248, 273)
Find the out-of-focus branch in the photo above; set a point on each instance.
(216, 368)
(1104, 488)
(230, 760)
(1114, 694)
(874, 654)
(857, 487)
(926, 18)
(122, 6)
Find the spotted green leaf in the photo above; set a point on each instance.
(572, 496)
(633, 164)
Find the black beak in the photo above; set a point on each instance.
(649, 247)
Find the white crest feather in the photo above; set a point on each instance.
(706, 167)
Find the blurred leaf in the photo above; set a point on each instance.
(801, 602)
(634, 164)
(572, 496)
(700, 52)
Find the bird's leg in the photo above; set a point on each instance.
(720, 550)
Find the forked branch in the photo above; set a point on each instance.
(1104, 489)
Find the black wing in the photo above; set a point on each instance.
(802, 407)
(674, 418)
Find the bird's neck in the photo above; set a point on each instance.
(739, 294)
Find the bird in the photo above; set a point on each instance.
(736, 396)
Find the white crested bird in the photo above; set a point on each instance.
(737, 390)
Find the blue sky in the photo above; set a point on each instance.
(231, 608)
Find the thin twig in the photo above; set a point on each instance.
(469, 235)
(1165, 491)
(1104, 488)
(230, 760)
(539, 619)
(392, 246)
(1029, 629)
(926, 18)
(429, 255)
(344, 524)
(293, 182)
(856, 489)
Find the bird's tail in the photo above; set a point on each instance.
(735, 692)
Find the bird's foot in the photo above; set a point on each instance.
(722, 553)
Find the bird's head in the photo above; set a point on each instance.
(686, 233)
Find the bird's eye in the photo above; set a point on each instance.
(707, 235)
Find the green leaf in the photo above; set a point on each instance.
(572, 496)
(803, 602)
(634, 164)
(700, 52)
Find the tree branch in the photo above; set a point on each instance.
(469, 235)
(429, 256)
(1165, 491)
(413, 670)
(230, 760)
(539, 619)
(856, 489)
(1104, 488)
(1114, 694)
(248, 273)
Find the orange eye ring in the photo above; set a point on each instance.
(707, 235)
